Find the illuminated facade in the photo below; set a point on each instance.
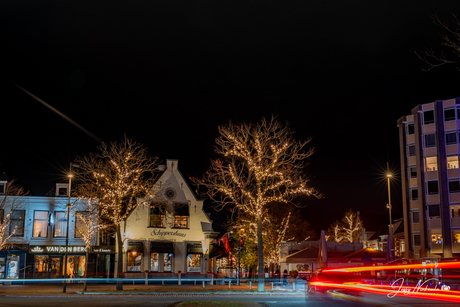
(429, 150)
(37, 248)
(173, 234)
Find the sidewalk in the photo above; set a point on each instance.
(138, 289)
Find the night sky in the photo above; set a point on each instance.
(168, 73)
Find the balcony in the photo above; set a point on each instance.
(436, 248)
(456, 248)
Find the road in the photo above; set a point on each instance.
(166, 301)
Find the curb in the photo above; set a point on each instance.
(192, 293)
(367, 301)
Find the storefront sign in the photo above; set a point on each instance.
(103, 249)
(57, 249)
(163, 233)
(14, 246)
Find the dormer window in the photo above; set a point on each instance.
(62, 189)
(181, 215)
(2, 187)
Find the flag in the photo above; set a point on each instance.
(225, 242)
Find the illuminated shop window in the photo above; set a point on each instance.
(452, 162)
(455, 211)
(194, 262)
(431, 164)
(154, 262)
(40, 224)
(168, 259)
(135, 252)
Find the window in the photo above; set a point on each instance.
(412, 151)
(454, 186)
(432, 187)
(449, 115)
(431, 164)
(415, 217)
(455, 211)
(167, 264)
(430, 140)
(433, 211)
(414, 194)
(436, 236)
(456, 236)
(80, 227)
(452, 161)
(60, 224)
(410, 129)
(135, 252)
(62, 191)
(17, 222)
(428, 117)
(413, 172)
(154, 262)
(416, 240)
(451, 138)
(2, 188)
(156, 217)
(194, 262)
(40, 224)
(181, 214)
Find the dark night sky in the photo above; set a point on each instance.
(167, 73)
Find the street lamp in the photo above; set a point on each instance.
(389, 202)
(67, 232)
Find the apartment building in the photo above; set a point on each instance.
(429, 151)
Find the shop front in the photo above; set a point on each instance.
(48, 261)
(12, 261)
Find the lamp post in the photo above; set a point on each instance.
(389, 201)
(67, 232)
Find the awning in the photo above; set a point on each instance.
(162, 247)
(217, 251)
(194, 248)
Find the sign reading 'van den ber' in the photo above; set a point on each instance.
(57, 249)
(162, 233)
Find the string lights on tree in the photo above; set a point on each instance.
(121, 177)
(347, 230)
(260, 164)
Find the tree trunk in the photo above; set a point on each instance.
(86, 269)
(260, 242)
(120, 260)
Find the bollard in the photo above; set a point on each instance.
(230, 284)
(178, 280)
(194, 282)
(293, 285)
(146, 278)
(250, 285)
(162, 282)
(203, 284)
(272, 285)
(133, 281)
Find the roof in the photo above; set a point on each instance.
(373, 253)
(309, 254)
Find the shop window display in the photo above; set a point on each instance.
(75, 266)
(13, 267)
(2, 267)
(154, 264)
(134, 261)
(167, 262)
(194, 262)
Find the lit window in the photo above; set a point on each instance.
(194, 262)
(135, 252)
(436, 236)
(455, 211)
(60, 224)
(154, 264)
(430, 140)
(452, 161)
(456, 236)
(40, 224)
(432, 187)
(168, 258)
(454, 186)
(449, 115)
(428, 117)
(181, 214)
(431, 164)
(451, 138)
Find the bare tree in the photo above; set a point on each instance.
(261, 164)
(348, 230)
(450, 46)
(88, 221)
(9, 201)
(118, 176)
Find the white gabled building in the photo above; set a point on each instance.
(172, 235)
